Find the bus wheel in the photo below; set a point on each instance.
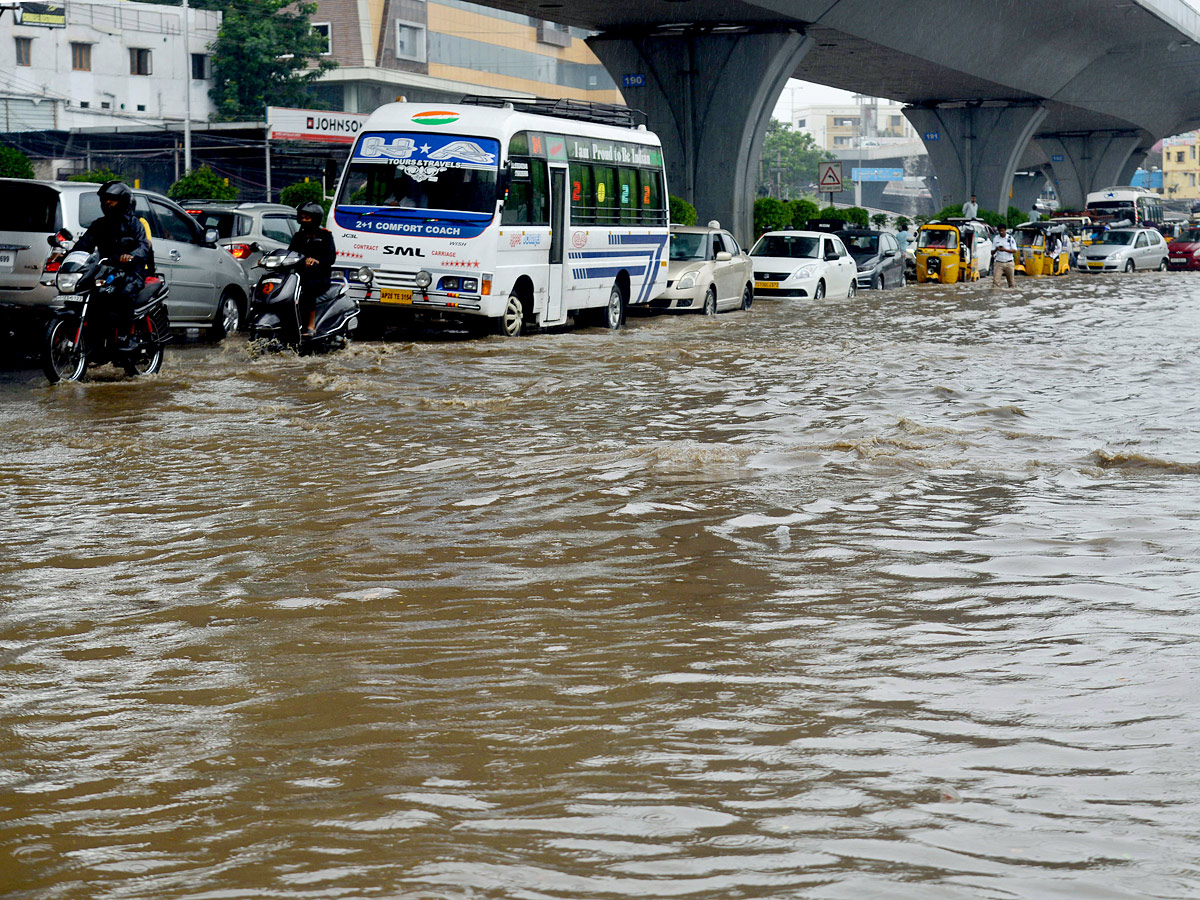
(614, 313)
(512, 322)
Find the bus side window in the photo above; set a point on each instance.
(606, 195)
(583, 195)
(652, 203)
(628, 198)
(528, 200)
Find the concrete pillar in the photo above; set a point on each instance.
(1131, 165)
(709, 97)
(1027, 186)
(1082, 163)
(975, 149)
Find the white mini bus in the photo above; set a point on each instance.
(1129, 205)
(493, 212)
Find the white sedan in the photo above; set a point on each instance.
(803, 264)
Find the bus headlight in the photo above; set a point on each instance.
(423, 279)
(363, 275)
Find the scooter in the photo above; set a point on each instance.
(85, 332)
(274, 315)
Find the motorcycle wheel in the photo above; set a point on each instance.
(62, 360)
(148, 357)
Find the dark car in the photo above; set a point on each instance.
(878, 255)
(1184, 251)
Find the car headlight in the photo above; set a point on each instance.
(688, 280)
(67, 282)
(423, 279)
(805, 272)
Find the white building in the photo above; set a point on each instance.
(844, 127)
(91, 63)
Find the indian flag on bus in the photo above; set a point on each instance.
(436, 117)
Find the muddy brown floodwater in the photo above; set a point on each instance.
(895, 597)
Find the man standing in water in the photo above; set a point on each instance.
(1004, 250)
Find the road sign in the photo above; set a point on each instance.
(876, 174)
(829, 177)
(638, 80)
(933, 135)
(1057, 157)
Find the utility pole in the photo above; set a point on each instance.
(187, 93)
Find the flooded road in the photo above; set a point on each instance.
(893, 597)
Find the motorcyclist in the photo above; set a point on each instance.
(120, 237)
(315, 244)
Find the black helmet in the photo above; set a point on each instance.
(312, 209)
(118, 191)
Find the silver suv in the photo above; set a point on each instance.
(246, 230)
(208, 288)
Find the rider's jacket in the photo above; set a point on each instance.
(111, 236)
(318, 245)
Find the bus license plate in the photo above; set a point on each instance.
(767, 285)
(392, 296)
(7, 258)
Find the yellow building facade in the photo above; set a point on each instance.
(438, 50)
(1181, 167)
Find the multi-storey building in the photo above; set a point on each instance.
(837, 128)
(438, 50)
(102, 63)
(1181, 168)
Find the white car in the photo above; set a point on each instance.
(1125, 250)
(803, 264)
(708, 272)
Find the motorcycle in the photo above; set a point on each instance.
(274, 315)
(84, 332)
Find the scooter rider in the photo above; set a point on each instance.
(120, 236)
(316, 245)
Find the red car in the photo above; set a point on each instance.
(1184, 251)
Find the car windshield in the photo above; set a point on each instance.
(798, 246)
(1123, 238)
(1191, 235)
(29, 207)
(225, 222)
(861, 246)
(422, 171)
(938, 239)
(687, 246)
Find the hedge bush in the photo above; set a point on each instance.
(97, 176)
(202, 184)
(682, 212)
(302, 192)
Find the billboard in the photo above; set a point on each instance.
(319, 125)
(47, 15)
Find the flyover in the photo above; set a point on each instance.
(1081, 88)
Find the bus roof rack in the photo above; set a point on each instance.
(581, 110)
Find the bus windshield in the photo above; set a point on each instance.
(1112, 208)
(422, 171)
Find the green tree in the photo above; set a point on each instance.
(266, 53)
(879, 220)
(303, 191)
(789, 162)
(803, 212)
(770, 215)
(202, 184)
(97, 176)
(682, 212)
(902, 223)
(14, 163)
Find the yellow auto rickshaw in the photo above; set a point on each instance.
(946, 254)
(1035, 256)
